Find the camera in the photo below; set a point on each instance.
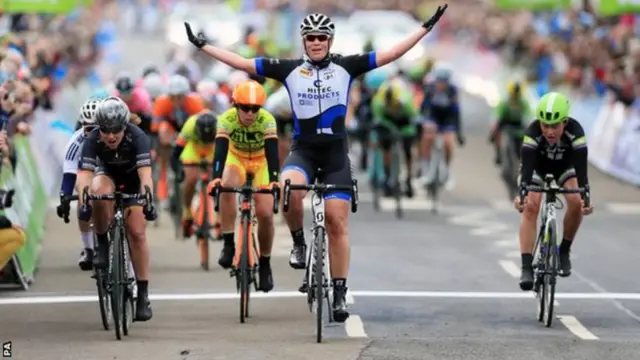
(6, 198)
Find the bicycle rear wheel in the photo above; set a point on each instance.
(103, 298)
(116, 279)
(244, 271)
(320, 281)
(551, 274)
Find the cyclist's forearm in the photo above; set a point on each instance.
(146, 178)
(84, 181)
(580, 164)
(221, 150)
(273, 158)
(68, 183)
(528, 156)
(175, 157)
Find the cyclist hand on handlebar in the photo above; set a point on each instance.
(149, 211)
(521, 200)
(587, 205)
(64, 208)
(214, 184)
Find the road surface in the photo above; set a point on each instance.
(427, 287)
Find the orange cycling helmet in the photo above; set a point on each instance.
(249, 92)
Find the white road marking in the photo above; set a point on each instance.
(623, 208)
(355, 327)
(513, 254)
(66, 299)
(503, 243)
(510, 267)
(579, 330)
(489, 229)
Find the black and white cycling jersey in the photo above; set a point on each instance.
(319, 95)
(73, 152)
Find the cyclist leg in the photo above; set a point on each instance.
(266, 230)
(233, 176)
(138, 245)
(448, 129)
(385, 142)
(300, 168)
(572, 219)
(166, 136)
(190, 160)
(338, 170)
(102, 214)
(429, 133)
(527, 233)
(12, 238)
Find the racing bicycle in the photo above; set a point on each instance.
(245, 261)
(317, 282)
(204, 220)
(120, 284)
(546, 251)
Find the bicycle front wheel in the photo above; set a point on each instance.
(549, 282)
(320, 281)
(117, 283)
(244, 270)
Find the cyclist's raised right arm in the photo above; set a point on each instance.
(529, 152)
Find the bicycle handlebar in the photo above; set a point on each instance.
(320, 189)
(117, 195)
(247, 191)
(546, 189)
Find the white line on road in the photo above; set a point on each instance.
(504, 243)
(30, 300)
(513, 254)
(510, 267)
(579, 330)
(355, 327)
(623, 208)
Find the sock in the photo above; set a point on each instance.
(298, 237)
(87, 239)
(143, 287)
(264, 259)
(527, 260)
(339, 282)
(102, 239)
(229, 239)
(565, 246)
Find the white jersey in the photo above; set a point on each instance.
(279, 103)
(73, 152)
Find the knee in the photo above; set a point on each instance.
(264, 215)
(574, 202)
(337, 226)
(99, 187)
(531, 209)
(137, 230)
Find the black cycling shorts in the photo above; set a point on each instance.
(561, 173)
(128, 183)
(385, 140)
(331, 157)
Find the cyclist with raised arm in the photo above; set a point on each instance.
(440, 106)
(511, 112)
(247, 143)
(69, 174)
(194, 144)
(318, 86)
(118, 152)
(394, 111)
(553, 144)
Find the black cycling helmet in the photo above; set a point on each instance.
(206, 127)
(150, 69)
(112, 115)
(124, 83)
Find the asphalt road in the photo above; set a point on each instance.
(427, 287)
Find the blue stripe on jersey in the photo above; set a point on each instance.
(71, 152)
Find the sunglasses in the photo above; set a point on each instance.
(312, 38)
(249, 108)
(112, 130)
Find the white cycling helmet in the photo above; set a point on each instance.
(236, 77)
(154, 84)
(88, 112)
(178, 85)
(207, 88)
(220, 73)
(317, 23)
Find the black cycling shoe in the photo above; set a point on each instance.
(265, 277)
(526, 278)
(298, 257)
(143, 308)
(86, 260)
(340, 313)
(101, 257)
(226, 256)
(565, 264)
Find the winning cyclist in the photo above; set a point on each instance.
(319, 85)
(194, 143)
(510, 113)
(119, 154)
(69, 170)
(393, 111)
(553, 144)
(247, 142)
(441, 106)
